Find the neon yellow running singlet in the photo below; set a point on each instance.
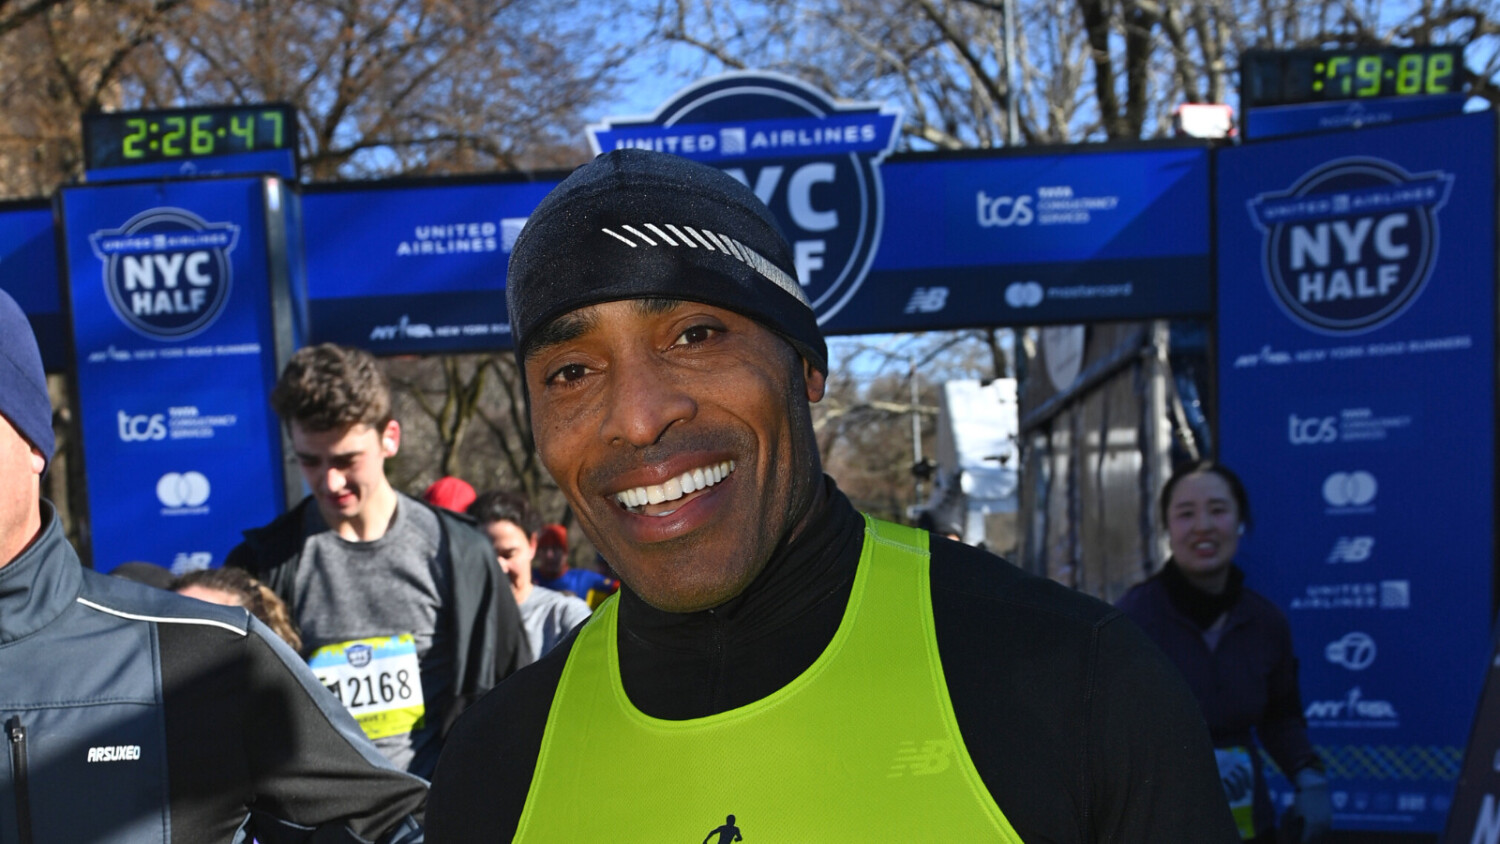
(863, 746)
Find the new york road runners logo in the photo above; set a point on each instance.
(815, 162)
(1352, 244)
(167, 272)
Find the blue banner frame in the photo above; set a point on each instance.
(29, 273)
(968, 240)
(1113, 234)
(177, 330)
(1356, 360)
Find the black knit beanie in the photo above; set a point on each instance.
(635, 224)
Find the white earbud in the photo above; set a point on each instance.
(390, 445)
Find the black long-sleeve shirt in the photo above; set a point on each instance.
(1079, 727)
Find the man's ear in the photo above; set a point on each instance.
(817, 382)
(390, 439)
(38, 461)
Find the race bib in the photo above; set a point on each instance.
(1238, 776)
(377, 680)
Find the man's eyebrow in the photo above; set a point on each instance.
(653, 307)
(343, 455)
(575, 324)
(569, 326)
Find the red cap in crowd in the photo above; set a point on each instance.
(450, 493)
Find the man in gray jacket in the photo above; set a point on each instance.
(135, 715)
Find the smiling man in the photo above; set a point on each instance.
(404, 615)
(773, 656)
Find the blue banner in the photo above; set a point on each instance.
(994, 240)
(281, 162)
(1356, 398)
(1034, 239)
(28, 272)
(917, 242)
(169, 287)
(415, 267)
(1304, 118)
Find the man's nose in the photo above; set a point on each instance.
(646, 396)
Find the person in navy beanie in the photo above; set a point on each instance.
(23, 382)
(200, 711)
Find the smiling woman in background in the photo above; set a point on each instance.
(1235, 649)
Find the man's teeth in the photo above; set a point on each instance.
(675, 488)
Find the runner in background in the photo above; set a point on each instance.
(1235, 649)
(554, 572)
(404, 615)
(512, 526)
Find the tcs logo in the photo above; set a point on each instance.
(1004, 211)
(134, 429)
(1311, 430)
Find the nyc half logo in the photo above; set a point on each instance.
(813, 161)
(167, 272)
(1351, 245)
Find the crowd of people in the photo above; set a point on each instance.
(773, 664)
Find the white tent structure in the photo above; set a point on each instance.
(977, 461)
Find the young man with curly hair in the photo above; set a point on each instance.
(403, 612)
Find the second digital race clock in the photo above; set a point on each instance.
(1288, 77)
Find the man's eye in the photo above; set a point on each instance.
(566, 374)
(696, 334)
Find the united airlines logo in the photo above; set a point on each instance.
(167, 272)
(815, 162)
(1351, 245)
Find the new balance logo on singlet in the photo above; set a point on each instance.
(930, 757)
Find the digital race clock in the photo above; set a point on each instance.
(1288, 77)
(124, 138)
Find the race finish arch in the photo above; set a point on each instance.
(180, 316)
(882, 242)
(888, 242)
